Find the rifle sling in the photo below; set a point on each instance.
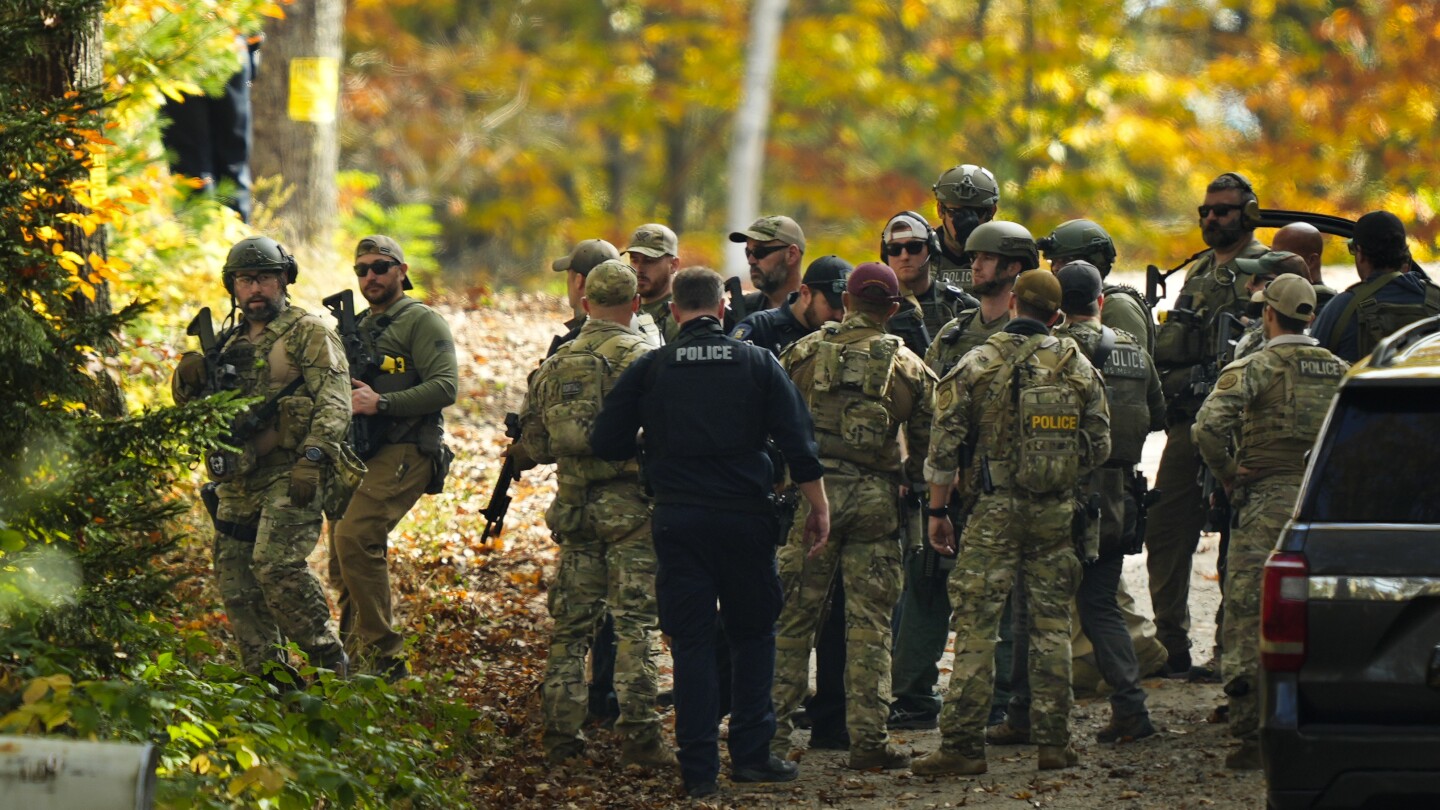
(1366, 291)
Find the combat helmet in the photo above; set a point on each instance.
(968, 185)
(259, 253)
(1080, 239)
(1005, 239)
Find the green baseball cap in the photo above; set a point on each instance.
(1290, 295)
(610, 283)
(585, 256)
(654, 240)
(772, 229)
(1272, 263)
(1039, 289)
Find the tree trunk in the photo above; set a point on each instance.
(752, 120)
(295, 105)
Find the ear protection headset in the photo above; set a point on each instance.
(1250, 213)
(932, 237)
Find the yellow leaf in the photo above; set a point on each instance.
(273, 10)
(37, 689)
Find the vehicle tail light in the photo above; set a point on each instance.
(1283, 597)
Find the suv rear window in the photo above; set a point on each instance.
(1377, 462)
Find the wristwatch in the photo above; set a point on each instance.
(936, 511)
(314, 454)
(382, 406)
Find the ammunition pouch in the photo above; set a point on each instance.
(346, 473)
(210, 497)
(293, 424)
(1180, 340)
(430, 438)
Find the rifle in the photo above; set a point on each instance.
(909, 326)
(364, 437)
(499, 504)
(1144, 499)
(1212, 493)
(218, 376)
(737, 298)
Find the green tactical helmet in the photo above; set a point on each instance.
(1005, 239)
(259, 253)
(1080, 239)
(969, 185)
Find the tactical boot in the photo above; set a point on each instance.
(820, 741)
(651, 753)
(1244, 758)
(1007, 734)
(948, 763)
(885, 759)
(337, 662)
(565, 753)
(1126, 729)
(1055, 757)
(913, 719)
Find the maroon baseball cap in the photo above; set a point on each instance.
(873, 281)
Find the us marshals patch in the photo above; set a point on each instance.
(570, 390)
(742, 332)
(945, 398)
(1227, 381)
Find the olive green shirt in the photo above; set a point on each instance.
(410, 330)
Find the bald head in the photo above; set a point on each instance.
(1302, 239)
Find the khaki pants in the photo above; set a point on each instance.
(1172, 537)
(359, 572)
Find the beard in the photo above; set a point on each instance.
(768, 282)
(269, 312)
(1221, 237)
(994, 285)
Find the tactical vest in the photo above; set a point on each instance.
(945, 270)
(1187, 337)
(1289, 412)
(265, 369)
(1146, 340)
(571, 391)
(1376, 320)
(958, 338)
(1126, 373)
(849, 398)
(1032, 397)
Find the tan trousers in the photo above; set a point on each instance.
(359, 573)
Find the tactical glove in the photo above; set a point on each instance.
(304, 482)
(189, 378)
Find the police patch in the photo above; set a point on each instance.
(1227, 381)
(742, 332)
(570, 390)
(945, 398)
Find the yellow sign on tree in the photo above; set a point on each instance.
(314, 89)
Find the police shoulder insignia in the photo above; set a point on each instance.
(1228, 380)
(742, 332)
(945, 398)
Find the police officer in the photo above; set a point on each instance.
(293, 465)
(415, 377)
(654, 252)
(907, 244)
(1132, 391)
(707, 403)
(1305, 241)
(580, 261)
(817, 302)
(861, 385)
(1276, 401)
(1125, 307)
(601, 520)
(966, 197)
(805, 310)
(1387, 297)
(1258, 273)
(1036, 409)
(1184, 346)
(775, 248)
(999, 252)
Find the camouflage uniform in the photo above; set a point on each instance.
(601, 519)
(262, 539)
(1176, 520)
(860, 385)
(664, 322)
(1013, 531)
(1275, 400)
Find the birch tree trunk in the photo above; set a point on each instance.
(752, 122)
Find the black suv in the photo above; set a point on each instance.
(1350, 617)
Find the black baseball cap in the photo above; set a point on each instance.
(1379, 231)
(1080, 284)
(827, 274)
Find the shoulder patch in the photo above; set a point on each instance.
(945, 398)
(742, 331)
(1227, 381)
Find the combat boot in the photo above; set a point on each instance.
(1244, 758)
(1126, 729)
(651, 753)
(886, 759)
(1004, 733)
(1055, 757)
(948, 763)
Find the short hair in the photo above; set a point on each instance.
(1289, 324)
(875, 309)
(697, 289)
(1231, 180)
(1026, 310)
(1091, 308)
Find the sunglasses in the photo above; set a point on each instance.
(1221, 210)
(957, 211)
(379, 268)
(896, 248)
(761, 251)
(1350, 246)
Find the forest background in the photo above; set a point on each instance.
(489, 137)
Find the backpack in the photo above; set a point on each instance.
(1045, 417)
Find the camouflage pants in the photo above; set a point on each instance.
(1261, 509)
(1009, 536)
(269, 591)
(606, 559)
(864, 545)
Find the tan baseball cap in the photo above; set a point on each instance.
(1290, 295)
(1039, 288)
(654, 240)
(385, 246)
(610, 283)
(585, 256)
(772, 229)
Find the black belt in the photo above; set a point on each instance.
(752, 506)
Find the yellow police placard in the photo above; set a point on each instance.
(314, 89)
